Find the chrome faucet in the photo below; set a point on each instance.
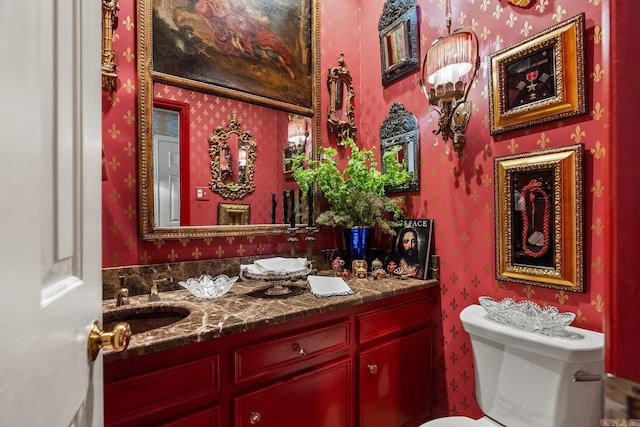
(123, 294)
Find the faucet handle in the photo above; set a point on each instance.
(153, 295)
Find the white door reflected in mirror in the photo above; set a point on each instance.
(166, 167)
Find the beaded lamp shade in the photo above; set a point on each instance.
(449, 66)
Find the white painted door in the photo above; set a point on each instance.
(167, 180)
(50, 248)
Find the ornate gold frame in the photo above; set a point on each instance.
(561, 170)
(566, 41)
(146, 79)
(109, 66)
(218, 147)
(229, 212)
(341, 93)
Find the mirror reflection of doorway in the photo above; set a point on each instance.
(166, 167)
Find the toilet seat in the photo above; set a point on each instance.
(461, 422)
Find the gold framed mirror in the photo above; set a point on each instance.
(341, 111)
(188, 65)
(233, 161)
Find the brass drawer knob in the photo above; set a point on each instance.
(254, 418)
(301, 350)
(373, 369)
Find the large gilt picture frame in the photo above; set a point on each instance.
(539, 218)
(256, 51)
(539, 79)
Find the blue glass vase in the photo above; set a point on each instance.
(357, 240)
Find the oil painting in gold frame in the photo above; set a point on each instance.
(255, 51)
(539, 79)
(539, 218)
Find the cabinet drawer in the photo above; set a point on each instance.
(255, 360)
(165, 391)
(379, 323)
(207, 418)
(319, 398)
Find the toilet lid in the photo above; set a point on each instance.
(460, 422)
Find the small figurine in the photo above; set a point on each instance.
(338, 266)
(357, 264)
(379, 274)
(361, 273)
(391, 267)
(377, 269)
(346, 274)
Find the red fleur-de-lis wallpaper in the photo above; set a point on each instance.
(457, 193)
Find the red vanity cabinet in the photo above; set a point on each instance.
(365, 365)
(394, 365)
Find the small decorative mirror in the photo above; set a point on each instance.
(233, 156)
(400, 128)
(299, 139)
(398, 27)
(341, 115)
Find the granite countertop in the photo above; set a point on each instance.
(237, 312)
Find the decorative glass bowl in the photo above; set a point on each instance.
(208, 287)
(526, 315)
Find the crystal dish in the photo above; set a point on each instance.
(526, 315)
(209, 287)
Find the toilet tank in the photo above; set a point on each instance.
(526, 379)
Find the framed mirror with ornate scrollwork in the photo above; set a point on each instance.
(398, 29)
(209, 103)
(399, 131)
(341, 110)
(233, 158)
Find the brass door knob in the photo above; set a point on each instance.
(118, 338)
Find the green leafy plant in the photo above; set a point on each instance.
(356, 195)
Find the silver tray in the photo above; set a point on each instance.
(278, 289)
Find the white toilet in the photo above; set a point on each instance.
(525, 379)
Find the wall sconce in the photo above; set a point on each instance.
(447, 65)
(298, 133)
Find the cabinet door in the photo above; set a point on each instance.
(319, 398)
(394, 381)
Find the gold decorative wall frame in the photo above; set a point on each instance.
(539, 218)
(342, 117)
(233, 214)
(109, 66)
(236, 180)
(539, 79)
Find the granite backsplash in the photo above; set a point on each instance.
(138, 279)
